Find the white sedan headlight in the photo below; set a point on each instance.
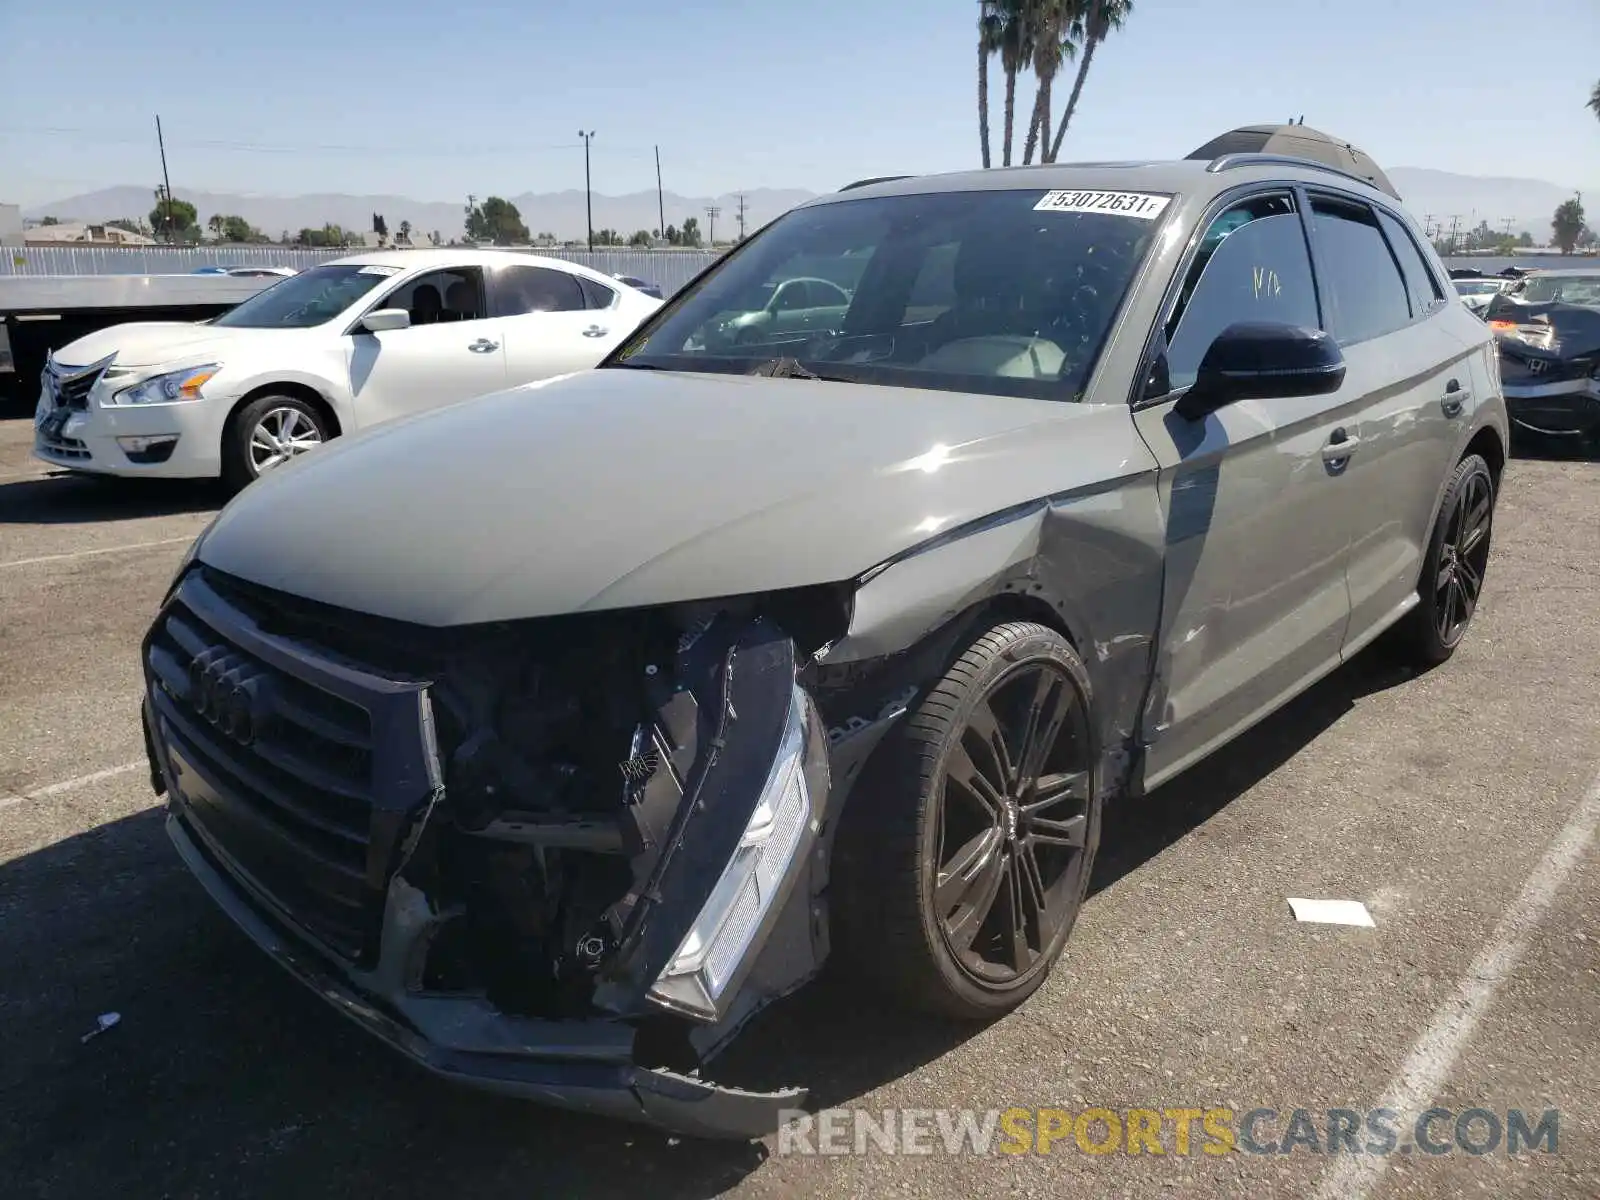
(169, 388)
(717, 941)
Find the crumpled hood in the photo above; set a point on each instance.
(151, 343)
(618, 488)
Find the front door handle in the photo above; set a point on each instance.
(483, 346)
(1454, 399)
(595, 331)
(1341, 445)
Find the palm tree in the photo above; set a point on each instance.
(1095, 21)
(215, 225)
(1594, 101)
(1014, 35)
(988, 47)
(1055, 24)
(405, 232)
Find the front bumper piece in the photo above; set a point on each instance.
(583, 1066)
(1565, 408)
(223, 831)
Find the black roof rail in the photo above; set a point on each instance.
(1228, 162)
(861, 183)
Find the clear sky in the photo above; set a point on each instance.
(434, 100)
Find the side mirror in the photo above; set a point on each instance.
(1261, 360)
(386, 318)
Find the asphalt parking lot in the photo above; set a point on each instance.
(1458, 806)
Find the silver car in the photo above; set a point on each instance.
(552, 735)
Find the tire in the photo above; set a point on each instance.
(1429, 634)
(243, 460)
(907, 823)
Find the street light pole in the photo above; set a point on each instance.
(588, 207)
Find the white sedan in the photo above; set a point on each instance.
(337, 348)
(1476, 293)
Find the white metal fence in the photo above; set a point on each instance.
(669, 269)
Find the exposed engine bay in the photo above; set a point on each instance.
(575, 755)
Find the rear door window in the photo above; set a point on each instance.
(1368, 293)
(519, 290)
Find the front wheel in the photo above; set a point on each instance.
(266, 433)
(964, 854)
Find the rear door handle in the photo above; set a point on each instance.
(483, 346)
(1341, 445)
(595, 331)
(1454, 399)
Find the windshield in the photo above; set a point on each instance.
(1477, 287)
(309, 298)
(1004, 292)
(1569, 289)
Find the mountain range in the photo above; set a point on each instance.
(1441, 195)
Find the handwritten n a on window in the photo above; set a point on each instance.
(1266, 282)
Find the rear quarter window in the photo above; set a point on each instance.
(595, 293)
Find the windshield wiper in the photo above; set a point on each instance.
(789, 368)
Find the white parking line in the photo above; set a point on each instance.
(1433, 1055)
(66, 785)
(28, 562)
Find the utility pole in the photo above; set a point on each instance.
(1455, 221)
(166, 181)
(712, 213)
(588, 207)
(741, 216)
(661, 207)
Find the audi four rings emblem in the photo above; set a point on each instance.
(230, 693)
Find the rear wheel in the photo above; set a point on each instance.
(1453, 569)
(268, 432)
(965, 853)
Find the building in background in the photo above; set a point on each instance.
(82, 234)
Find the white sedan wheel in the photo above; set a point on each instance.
(281, 434)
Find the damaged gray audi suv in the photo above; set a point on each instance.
(552, 735)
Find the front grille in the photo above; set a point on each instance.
(70, 386)
(305, 769)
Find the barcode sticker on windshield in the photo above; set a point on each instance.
(376, 269)
(1145, 205)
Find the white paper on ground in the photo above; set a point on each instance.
(1331, 912)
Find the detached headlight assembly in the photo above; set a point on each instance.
(170, 388)
(716, 943)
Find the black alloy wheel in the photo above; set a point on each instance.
(1463, 557)
(964, 851)
(1453, 570)
(1013, 820)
